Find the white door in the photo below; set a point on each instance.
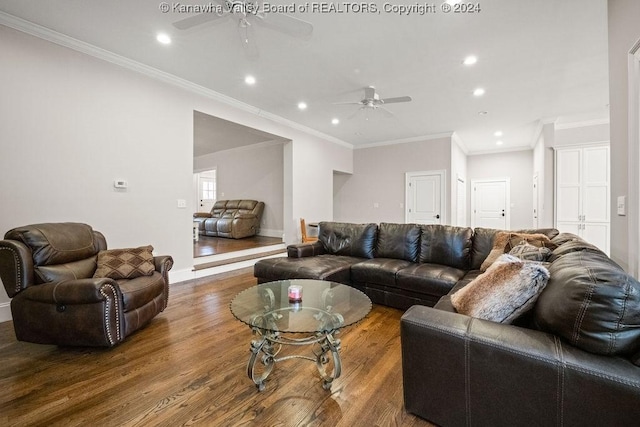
(535, 201)
(461, 205)
(489, 202)
(424, 198)
(206, 190)
(595, 205)
(568, 184)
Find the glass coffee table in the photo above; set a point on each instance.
(298, 312)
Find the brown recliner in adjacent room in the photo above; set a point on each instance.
(48, 270)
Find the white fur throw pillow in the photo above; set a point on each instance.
(508, 289)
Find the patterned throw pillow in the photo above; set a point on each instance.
(125, 263)
(504, 241)
(528, 252)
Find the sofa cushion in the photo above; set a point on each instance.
(592, 303)
(125, 263)
(322, 267)
(446, 245)
(380, 271)
(354, 240)
(503, 241)
(140, 290)
(56, 243)
(81, 269)
(400, 241)
(427, 278)
(504, 292)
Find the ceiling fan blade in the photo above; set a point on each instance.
(286, 24)
(248, 40)
(199, 19)
(394, 100)
(346, 103)
(388, 114)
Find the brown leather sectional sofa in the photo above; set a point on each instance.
(231, 218)
(574, 359)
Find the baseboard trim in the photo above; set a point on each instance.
(270, 233)
(5, 312)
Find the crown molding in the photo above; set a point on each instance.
(582, 123)
(500, 151)
(406, 140)
(108, 56)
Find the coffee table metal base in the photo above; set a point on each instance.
(265, 351)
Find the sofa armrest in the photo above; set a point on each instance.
(202, 215)
(16, 266)
(302, 250)
(463, 371)
(163, 264)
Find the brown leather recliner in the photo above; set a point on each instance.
(48, 269)
(231, 218)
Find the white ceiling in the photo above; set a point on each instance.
(536, 60)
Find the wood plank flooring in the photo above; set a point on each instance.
(187, 367)
(206, 245)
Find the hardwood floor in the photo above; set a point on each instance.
(188, 367)
(206, 245)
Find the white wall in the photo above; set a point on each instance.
(70, 124)
(516, 165)
(379, 177)
(624, 32)
(254, 172)
(458, 169)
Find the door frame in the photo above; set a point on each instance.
(507, 202)
(443, 207)
(633, 199)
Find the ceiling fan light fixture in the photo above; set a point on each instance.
(163, 38)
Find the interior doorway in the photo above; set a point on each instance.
(490, 201)
(206, 190)
(425, 197)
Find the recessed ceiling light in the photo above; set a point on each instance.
(335, 121)
(163, 38)
(499, 142)
(470, 60)
(478, 92)
(302, 105)
(498, 133)
(250, 80)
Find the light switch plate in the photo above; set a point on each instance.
(182, 203)
(622, 205)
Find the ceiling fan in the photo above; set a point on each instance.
(246, 13)
(372, 101)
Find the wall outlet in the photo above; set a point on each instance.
(182, 203)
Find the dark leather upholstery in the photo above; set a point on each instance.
(355, 240)
(235, 219)
(476, 372)
(460, 371)
(398, 265)
(48, 270)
